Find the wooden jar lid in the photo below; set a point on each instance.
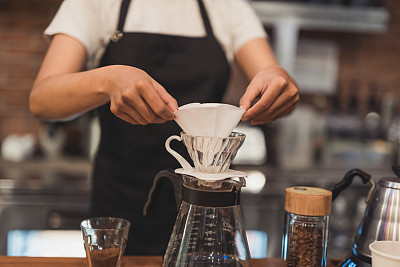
(309, 201)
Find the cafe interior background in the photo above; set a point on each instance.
(345, 56)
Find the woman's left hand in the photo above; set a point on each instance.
(276, 92)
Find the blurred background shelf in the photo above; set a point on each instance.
(328, 17)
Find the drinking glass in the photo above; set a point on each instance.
(105, 240)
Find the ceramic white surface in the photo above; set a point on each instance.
(212, 176)
(385, 253)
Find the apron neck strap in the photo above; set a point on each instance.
(125, 6)
(204, 16)
(122, 14)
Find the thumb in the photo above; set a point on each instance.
(165, 96)
(248, 97)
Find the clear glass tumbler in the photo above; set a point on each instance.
(105, 240)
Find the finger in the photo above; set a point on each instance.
(128, 118)
(282, 113)
(154, 99)
(141, 107)
(285, 112)
(166, 97)
(287, 99)
(136, 116)
(252, 92)
(270, 95)
(127, 113)
(145, 105)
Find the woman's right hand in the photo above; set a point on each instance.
(136, 97)
(63, 89)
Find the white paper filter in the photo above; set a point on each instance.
(208, 119)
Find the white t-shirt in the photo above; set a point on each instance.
(92, 22)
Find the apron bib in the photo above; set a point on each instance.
(191, 69)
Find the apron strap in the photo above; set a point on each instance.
(122, 14)
(206, 21)
(124, 10)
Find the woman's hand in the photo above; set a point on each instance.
(136, 97)
(63, 90)
(270, 84)
(277, 93)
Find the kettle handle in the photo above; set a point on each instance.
(348, 179)
(160, 179)
(396, 170)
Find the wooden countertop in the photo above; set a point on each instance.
(137, 261)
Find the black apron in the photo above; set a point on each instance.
(191, 69)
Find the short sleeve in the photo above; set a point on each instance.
(245, 24)
(79, 19)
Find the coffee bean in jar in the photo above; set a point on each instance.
(306, 226)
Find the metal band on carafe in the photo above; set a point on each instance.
(210, 198)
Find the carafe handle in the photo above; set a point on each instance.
(348, 179)
(185, 165)
(160, 178)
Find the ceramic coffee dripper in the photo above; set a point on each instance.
(211, 156)
(209, 138)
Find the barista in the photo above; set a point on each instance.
(161, 53)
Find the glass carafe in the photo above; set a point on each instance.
(209, 230)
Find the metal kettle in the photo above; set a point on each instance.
(381, 219)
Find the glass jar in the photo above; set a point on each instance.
(306, 226)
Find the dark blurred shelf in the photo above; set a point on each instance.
(40, 176)
(324, 17)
